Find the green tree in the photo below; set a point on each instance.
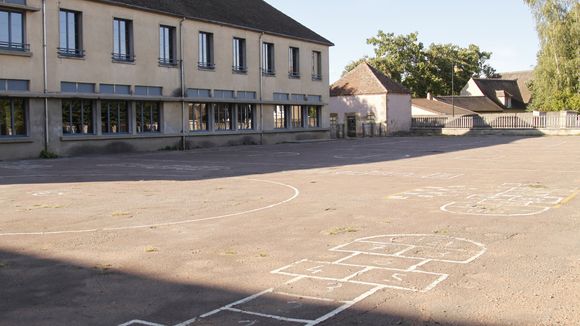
(557, 75)
(405, 59)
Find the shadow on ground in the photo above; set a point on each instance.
(40, 291)
(238, 161)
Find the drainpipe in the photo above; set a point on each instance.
(182, 82)
(45, 75)
(261, 74)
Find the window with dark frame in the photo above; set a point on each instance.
(268, 59)
(313, 116)
(316, 65)
(206, 51)
(297, 120)
(12, 31)
(281, 113)
(77, 117)
(198, 117)
(148, 117)
(13, 117)
(167, 45)
(70, 34)
(294, 62)
(114, 117)
(245, 116)
(223, 116)
(123, 40)
(239, 55)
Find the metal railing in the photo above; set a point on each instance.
(240, 69)
(168, 61)
(316, 77)
(294, 74)
(123, 57)
(206, 65)
(11, 46)
(527, 120)
(67, 52)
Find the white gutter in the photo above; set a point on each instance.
(45, 75)
(182, 82)
(261, 74)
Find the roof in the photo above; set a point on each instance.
(366, 80)
(248, 14)
(440, 107)
(479, 104)
(489, 87)
(522, 78)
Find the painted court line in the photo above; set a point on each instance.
(408, 284)
(295, 195)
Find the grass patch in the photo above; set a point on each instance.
(47, 155)
(230, 252)
(342, 230)
(118, 214)
(151, 249)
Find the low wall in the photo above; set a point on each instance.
(503, 132)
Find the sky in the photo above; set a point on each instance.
(504, 27)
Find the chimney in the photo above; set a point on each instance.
(430, 96)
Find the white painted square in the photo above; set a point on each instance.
(412, 281)
(380, 261)
(372, 248)
(324, 290)
(308, 268)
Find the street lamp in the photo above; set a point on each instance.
(454, 70)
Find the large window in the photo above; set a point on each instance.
(70, 34)
(294, 63)
(148, 117)
(223, 117)
(167, 45)
(316, 65)
(12, 31)
(198, 117)
(245, 116)
(114, 117)
(123, 40)
(268, 62)
(239, 55)
(206, 51)
(12, 117)
(281, 113)
(297, 120)
(77, 117)
(313, 116)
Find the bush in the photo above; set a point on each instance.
(48, 155)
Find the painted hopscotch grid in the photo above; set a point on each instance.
(509, 199)
(320, 290)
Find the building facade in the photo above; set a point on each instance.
(99, 76)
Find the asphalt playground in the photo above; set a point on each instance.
(381, 231)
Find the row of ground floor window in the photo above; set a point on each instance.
(80, 117)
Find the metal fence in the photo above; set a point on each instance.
(527, 120)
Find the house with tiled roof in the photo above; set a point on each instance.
(367, 95)
(510, 91)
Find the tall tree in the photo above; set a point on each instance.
(405, 59)
(557, 75)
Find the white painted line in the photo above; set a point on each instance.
(345, 306)
(140, 322)
(354, 254)
(303, 296)
(434, 284)
(295, 195)
(445, 208)
(292, 320)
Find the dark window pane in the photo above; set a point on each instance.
(4, 116)
(16, 28)
(198, 117)
(122, 89)
(86, 88)
(68, 87)
(19, 117)
(107, 89)
(296, 116)
(245, 117)
(223, 117)
(4, 27)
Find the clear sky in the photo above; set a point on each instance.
(504, 27)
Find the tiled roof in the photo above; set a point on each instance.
(366, 80)
(522, 78)
(439, 107)
(250, 14)
(479, 104)
(491, 85)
